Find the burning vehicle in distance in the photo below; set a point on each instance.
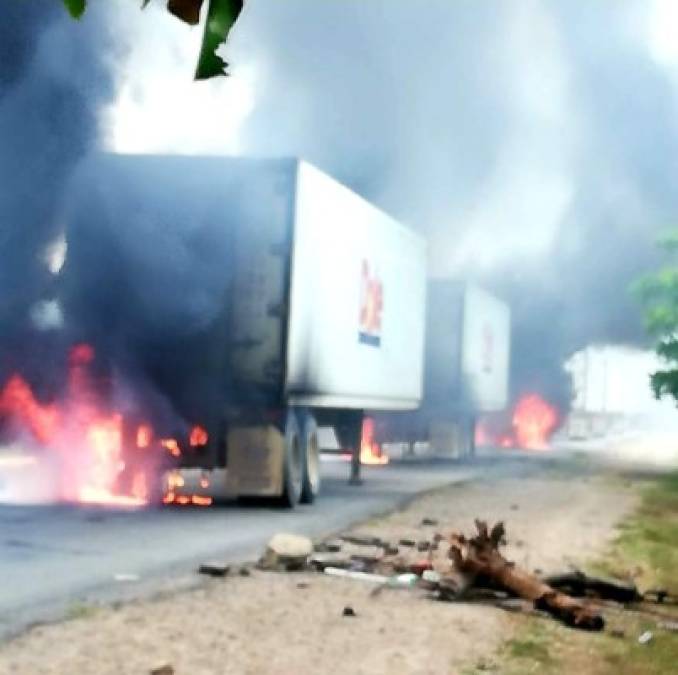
(234, 305)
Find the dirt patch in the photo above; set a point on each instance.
(294, 623)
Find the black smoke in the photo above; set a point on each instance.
(533, 143)
(53, 80)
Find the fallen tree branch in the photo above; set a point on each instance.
(480, 555)
(579, 585)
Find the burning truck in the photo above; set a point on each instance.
(218, 310)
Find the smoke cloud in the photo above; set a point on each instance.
(53, 80)
(533, 143)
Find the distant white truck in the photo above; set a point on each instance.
(258, 297)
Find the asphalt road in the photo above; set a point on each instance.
(54, 557)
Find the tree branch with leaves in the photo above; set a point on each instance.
(220, 17)
(658, 293)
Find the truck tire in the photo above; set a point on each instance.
(293, 462)
(310, 486)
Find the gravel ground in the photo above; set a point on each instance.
(291, 624)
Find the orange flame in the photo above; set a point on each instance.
(86, 438)
(198, 437)
(17, 401)
(370, 450)
(534, 420)
(171, 445)
(144, 435)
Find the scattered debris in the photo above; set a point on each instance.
(125, 577)
(660, 596)
(646, 637)
(322, 560)
(429, 522)
(331, 546)
(214, 569)
(458, 568)
(359, 576)
(580, 585)
(479, 556)
(364, 561)
(348, 611)
(163, 670)
(362, 540)
(286, 552)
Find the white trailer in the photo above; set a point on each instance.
(467, 354)
(276, 296)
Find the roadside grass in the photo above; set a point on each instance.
(645, 550)
(81, 610)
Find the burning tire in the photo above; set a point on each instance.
(310, 486)
(293, 462)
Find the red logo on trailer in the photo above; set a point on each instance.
(371, 306)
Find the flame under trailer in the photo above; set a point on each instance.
(257, 298)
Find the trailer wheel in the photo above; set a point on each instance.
(310, 486)
(293, 462)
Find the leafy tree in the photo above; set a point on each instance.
(658, 292)
(220, 17)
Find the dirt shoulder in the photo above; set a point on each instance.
(292, 623)
(646, 551)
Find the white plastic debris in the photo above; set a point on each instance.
(358, 576)
(402, 580)
(645, 637)
(124, 577)
(431, 576)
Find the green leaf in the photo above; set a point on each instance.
(221, 16)
(76, 8)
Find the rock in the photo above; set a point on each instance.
(244, 572)
(348, 611)
(407, 542)
(286, 552)
(429, 522)
(328, 547)
(361, 539)
(322, 560)
(163, 670)
(214, 569)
